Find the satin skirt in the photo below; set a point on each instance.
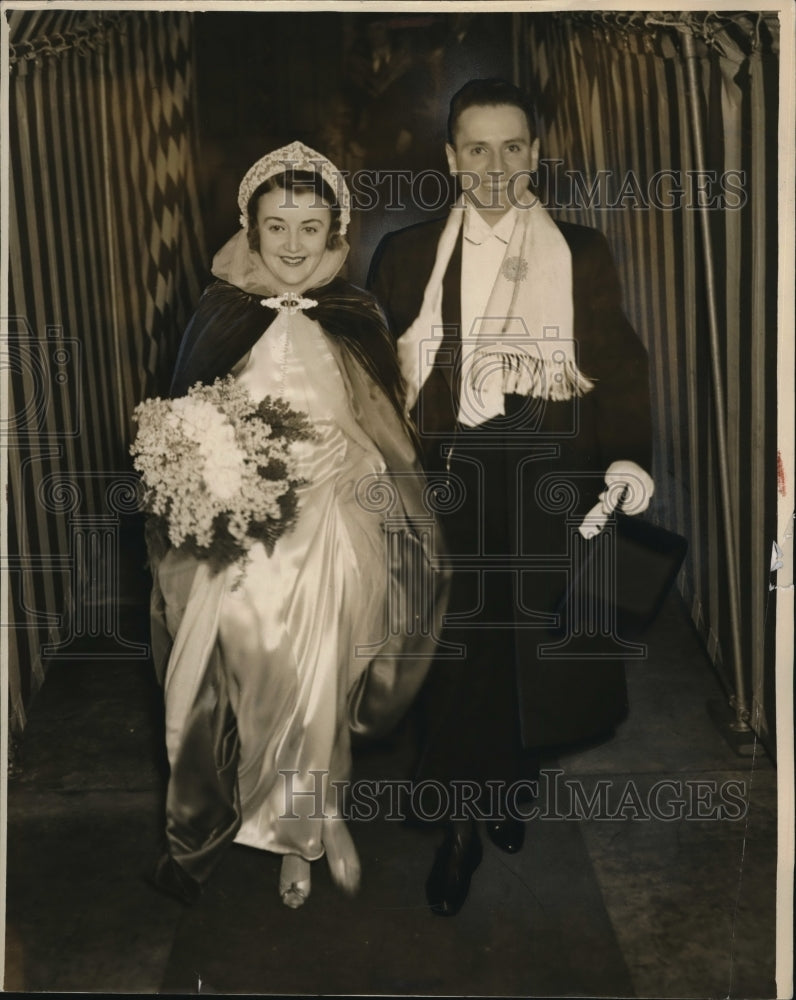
(289, 632)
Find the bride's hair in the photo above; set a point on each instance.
(299, 181)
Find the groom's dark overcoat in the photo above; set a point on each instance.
(528, 478)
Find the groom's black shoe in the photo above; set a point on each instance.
(449, 879)
(507, 834)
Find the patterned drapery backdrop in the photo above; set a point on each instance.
(106, 253)
(612, 103)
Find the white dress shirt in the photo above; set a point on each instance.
(483, 250)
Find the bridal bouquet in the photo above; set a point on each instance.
(217, 468)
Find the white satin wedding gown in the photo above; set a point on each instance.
(302, 624)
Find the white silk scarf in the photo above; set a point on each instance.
(524, 343)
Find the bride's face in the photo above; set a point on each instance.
(293, 227)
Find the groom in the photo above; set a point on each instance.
(529, 390)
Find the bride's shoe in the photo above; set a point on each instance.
(341, 855)
(294, 881)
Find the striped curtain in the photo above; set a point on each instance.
(612, 104)
(106, 250)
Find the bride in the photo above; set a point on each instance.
(266, 673)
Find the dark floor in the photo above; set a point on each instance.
(624, 905)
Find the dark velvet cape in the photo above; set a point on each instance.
(228, 322)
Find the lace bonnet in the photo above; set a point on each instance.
(295, 156)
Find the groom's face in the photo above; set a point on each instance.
(493, 153)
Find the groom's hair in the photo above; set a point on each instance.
(487, 93)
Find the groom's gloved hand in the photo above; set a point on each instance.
(628, 486)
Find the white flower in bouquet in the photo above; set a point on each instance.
(217, 468)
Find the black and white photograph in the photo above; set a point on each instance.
(397, 464)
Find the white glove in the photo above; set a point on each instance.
(629, 486)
